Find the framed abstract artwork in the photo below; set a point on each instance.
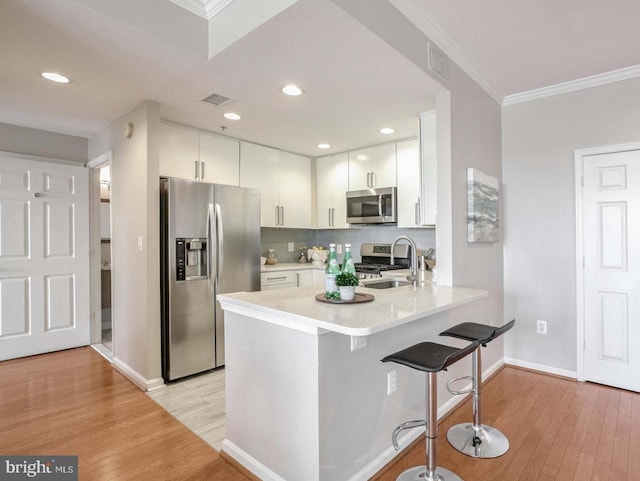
(482, 206)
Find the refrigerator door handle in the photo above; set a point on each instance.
(220, 243)
(210, 241)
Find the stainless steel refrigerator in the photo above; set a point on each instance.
(209, 245)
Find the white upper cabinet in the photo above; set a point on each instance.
(295, 190)
(372, 167)
(179, 151)
(409, 183)
(429, 159)
(332, 182)
(220, 159)
(260, 169)
(284, 182)
(188, 153)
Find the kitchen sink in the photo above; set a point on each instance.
(386, 284)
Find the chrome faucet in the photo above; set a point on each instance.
(414, 258)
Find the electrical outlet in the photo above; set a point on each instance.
(290, 247)
(541, 327)
(338, 248)
(358, 342)
(392, 382)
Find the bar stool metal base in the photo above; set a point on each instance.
(486, 442)
(419, 473)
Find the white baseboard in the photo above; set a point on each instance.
(103, 351)
(249, 462)
(140, 381)
(540, 367)
(375, 465)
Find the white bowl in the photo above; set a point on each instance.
(263, 260)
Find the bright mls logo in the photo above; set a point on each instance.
(51, 468)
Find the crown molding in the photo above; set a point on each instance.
(206, 9)
(437, 34)
(573, 85)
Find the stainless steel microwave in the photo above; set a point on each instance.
(372, 206)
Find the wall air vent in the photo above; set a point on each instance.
(217, 99)
(437, 62)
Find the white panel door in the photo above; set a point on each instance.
(44, 257)
(611, 234)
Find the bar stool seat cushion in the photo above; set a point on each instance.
(472, 331)
(430, 356)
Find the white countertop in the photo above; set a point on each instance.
(297, 308)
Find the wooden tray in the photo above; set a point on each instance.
(359, 297)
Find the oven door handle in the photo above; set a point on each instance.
(380, 205)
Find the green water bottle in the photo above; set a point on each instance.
(333, 269)
(347, 262)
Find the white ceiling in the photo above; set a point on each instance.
(119, 53)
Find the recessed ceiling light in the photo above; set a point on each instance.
(292, 90)
(232, 116)
(324, 146)
(55, 77)
(387, 130)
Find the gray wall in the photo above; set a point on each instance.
(135, 210)
(540, 138)
(41, 143)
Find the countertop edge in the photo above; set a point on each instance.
(318, 327)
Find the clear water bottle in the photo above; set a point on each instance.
(333, 269)
(347, 262)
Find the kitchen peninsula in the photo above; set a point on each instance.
(306, 391)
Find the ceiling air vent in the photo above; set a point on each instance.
(216, 99)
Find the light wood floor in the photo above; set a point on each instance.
(198, 403)
(74, 403)
(558, 429)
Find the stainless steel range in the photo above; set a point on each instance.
(377, 258)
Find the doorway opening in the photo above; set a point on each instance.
(102, 321)
(106, 324)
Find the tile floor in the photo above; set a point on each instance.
(198, 403)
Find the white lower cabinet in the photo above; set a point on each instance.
(277, 280)
(292, 278)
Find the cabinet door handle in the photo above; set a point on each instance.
(329, 212)
(277, 215)
(276, 278)
(281, 215)
(373, 180)
(297, 279)
(333, 217)
(368, 179)
(197, 170)
(201, 170)
(418, 212)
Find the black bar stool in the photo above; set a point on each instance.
(475, 439)
(431, 358)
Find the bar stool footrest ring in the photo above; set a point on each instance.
(456, 379)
